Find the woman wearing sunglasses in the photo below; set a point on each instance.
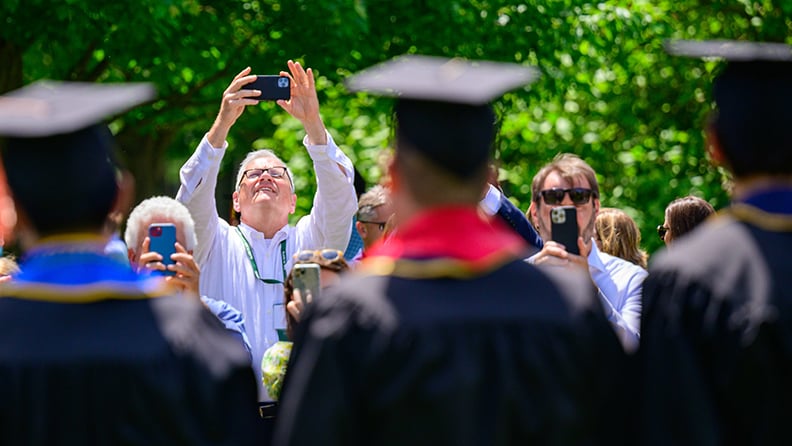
(682, 216)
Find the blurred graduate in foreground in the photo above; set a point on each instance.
(90, 353)
(716, 335)
(445, 335)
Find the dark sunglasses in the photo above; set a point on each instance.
(661, 231)
(327, 254)
(578, 195)
(381, 224)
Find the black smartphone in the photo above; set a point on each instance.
(163, 238)
(272, 87)
(564, 227)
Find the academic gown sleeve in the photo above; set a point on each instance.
(158, 371)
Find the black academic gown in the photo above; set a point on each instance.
(85, 361)
(510, 356)
(716, 338)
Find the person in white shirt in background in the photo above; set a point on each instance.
(245, 265)
(570, 181)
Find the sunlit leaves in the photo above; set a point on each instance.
(608, 91)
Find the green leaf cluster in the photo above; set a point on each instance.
(608, 91)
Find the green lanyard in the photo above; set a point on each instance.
(249, 253)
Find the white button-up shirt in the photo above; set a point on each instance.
(226, 271)
(620, 285)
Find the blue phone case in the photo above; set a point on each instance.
(163, 237)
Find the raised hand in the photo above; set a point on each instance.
(235, 99)
(188, 274)
(304, 103)
(186, 271)
(296, 305)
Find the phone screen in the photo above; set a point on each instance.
(163, 238)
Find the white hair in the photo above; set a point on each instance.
(263, 153)
(161, 209)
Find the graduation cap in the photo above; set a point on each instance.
(753, 94)
(731, 50)
(442, 108)
(58, 156)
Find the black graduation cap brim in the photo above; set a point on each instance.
(753, 92)
(58, 154)
(730, 50)
(443, 106)
(46, 108)
(429, 78)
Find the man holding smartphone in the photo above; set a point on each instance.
(570, 181)
(246, 265)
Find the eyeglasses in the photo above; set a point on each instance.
(327, 254)
(255, 174)
(380, 224)
(661, 231)
(578, 195)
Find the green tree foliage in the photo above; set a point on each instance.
(608, 91)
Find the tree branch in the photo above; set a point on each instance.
(77, 70)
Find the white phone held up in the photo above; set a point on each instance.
(306, 280)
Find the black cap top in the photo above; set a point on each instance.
(754, 98)
(58, 155)
(443, 106)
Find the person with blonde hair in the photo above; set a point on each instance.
(617, 234)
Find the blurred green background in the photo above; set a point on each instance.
(608, 92)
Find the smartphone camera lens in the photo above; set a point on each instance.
(557, 216)
(155, 231)
(283, 82)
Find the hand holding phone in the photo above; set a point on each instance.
(162, 238)
(564, 227)
(272, 87)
